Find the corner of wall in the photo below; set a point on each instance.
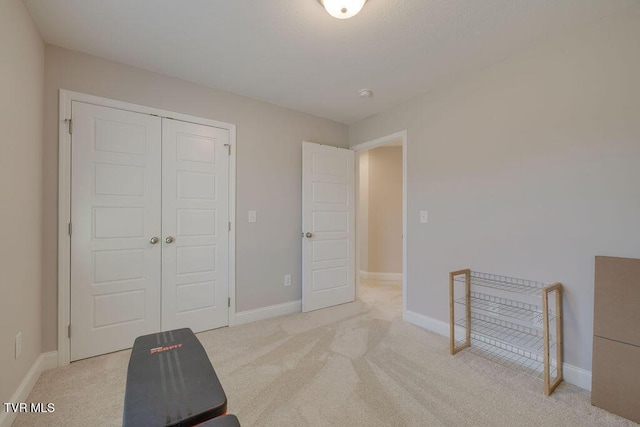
(22, 82)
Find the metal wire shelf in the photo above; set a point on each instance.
(504, 283)
(518, 339)
(531, 367)
(506, 309)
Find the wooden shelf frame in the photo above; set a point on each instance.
(549, 383)
(549, 314)
(453, 349)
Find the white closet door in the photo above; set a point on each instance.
(115, 269)
(195, 218)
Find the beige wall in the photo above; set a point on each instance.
(385, 210)
(269, 169)
(21, 82)
(529, 169)
(363, 210)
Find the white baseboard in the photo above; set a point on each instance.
(268, 312)
(49, 360)
(571, 374)
(428, 323)
(576, 376)
(43, 363)
(396, 277)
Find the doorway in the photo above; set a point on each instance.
(381, 222)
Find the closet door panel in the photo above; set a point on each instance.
(195, 206)
(115, 211)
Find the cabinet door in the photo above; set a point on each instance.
(617, 299)
(195, 233)
(115, 212)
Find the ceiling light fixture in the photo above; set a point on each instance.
(342, 9)
(365, 93)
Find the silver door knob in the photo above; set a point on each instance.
(154, 240)
(308, 235)
(169, 239)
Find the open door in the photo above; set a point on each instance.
(328, 226)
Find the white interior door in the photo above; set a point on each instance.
(115, 212)
(195, 223)
(328, 218)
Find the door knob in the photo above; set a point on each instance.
(308, 235)
(154, 240)
(169, 239)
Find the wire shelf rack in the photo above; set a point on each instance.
(531, 367)
(515, 338)
(504, 283)
(517, 328)
(506, 309)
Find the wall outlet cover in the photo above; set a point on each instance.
(287, 280)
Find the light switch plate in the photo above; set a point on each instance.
(424, 217)
(252, 216)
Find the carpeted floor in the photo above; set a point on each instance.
(357, 364)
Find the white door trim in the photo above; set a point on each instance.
(385, 140)
(64, 203)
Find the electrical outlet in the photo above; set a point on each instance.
(287, 280)
(252, 216)
(18, 344)
(424, 217)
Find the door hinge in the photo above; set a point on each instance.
(69, 331)
(228, 148)
(229, 302)
(229, 225)
(70, 229)
(70, 123)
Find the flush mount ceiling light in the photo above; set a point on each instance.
(365, 93)
(342, 9)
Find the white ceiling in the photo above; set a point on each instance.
(292, 53)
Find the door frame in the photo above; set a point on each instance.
(379, 142)
(66, 97)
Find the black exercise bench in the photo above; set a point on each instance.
(170, 382)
